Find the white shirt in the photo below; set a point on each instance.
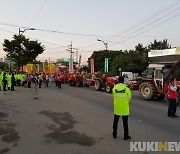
(172, 87)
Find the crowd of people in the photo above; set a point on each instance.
(8, 80)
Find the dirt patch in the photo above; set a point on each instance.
(62, 135)
(12, 137)
(2, 151)
(64, 119)
(71, 137)
(3, 115)
(9, 133)
(5, 130)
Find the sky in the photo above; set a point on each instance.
(122, 24)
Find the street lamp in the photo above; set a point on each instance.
(105, 44)
(22, 31)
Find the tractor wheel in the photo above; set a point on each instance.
(108, 88)
(147, 91)
(97, 85)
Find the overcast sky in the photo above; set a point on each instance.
(120, 23)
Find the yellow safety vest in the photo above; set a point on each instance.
(122, 97)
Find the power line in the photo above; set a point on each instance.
(152, 17)
(166, 20)
(36, 39)
(37, 12)
(147, 20)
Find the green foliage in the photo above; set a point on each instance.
(85, 69)
(99, 57)
(129, 61)
(4, 66)
(65, 63)
(159, 45)
(21, 50)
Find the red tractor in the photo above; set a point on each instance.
(79, 80)
(155, 79)
(105, 82)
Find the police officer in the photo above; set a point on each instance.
(12, 82)
(1, 79)
(4, 82)
(122, 97)
(9, 84)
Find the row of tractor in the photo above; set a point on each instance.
(103, 82)
(152, 83)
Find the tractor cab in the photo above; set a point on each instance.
(155, 79)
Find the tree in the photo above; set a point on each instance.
(85, 69)
(99, 57)
(21, 50)
(131, 61)
(4, 66)
(159, 45)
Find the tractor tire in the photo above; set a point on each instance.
(108, 88)
(97, 85)
(147, 91)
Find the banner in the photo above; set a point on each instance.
(36, 68)
(29, 68)
(92, 65)
(51, 68)
(45, 68)
(106, 61)
(79, 64)
(71, 70)
(57, 69)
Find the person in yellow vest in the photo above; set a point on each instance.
(19, 79)
(16, 78)
(122, 96)
(1, 80)
(22, 78)
(9, 81)
(47, 80)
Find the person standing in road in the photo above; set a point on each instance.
(172, 96)
(40, 77)
(9, 83)
(1, 79)
(12, 82)
(47, 80)
(4, 82)
(29, 80)
(122, 97)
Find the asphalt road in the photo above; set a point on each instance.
(76, 120)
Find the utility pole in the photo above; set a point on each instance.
(70, 49)
(77, 55)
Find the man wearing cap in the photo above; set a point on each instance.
(122, 97)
